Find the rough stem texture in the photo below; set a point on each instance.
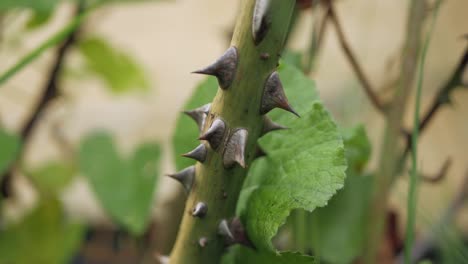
(392, 147)
(239, 107)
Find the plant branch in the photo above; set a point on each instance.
(391, 147)
(50, 92)
(373, 97)
(442, 98)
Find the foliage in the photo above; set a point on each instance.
(117, 69)
(10, 146)
(124, 187)
(44, 237)
(53, 176)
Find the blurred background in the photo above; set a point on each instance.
(127, 72)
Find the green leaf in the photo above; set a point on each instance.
(118, 69)
(53, 176)
(124, 187)
(42, 237)
(357, 147)
(239, 254)
(43, 6)
(10, 145)
(186, 131)
(38, 19)
(292, 58)
(304, 168)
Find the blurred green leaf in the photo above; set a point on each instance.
(38, 19)
(9, 149)
(53, 176)
(118, 69)
(185, 135)
(357, 147)
(43, 6)
(124, 187)
(304, 168)
(239, 254)
(42, 237)
(293, 58)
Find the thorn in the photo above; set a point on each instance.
(259, 152)
(200, 210)
(235, 149)
(202, 242)
(273, 96)
(223, 230)
(240, 235)
(214, 135)
(199, 153)
(199, 115)
(185, 177)
(162, 259)
(269, 125)
(264, 56)
(260, 21)
(224, 69)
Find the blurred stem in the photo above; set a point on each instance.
(318, 33)
(391, 145)
(50, 90)
(58, 37)
(300, 234)
(413, 184)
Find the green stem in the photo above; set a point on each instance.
(238, 106)
(391, 147)
(414, 179)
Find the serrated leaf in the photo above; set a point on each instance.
(124, 187)
(239, 254)
(304, 168)
(118, 69)
(10, 145)
(185, 135)
(43, 236)
(53, 176)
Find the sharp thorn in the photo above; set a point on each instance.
(224, 69)
(223, 230)
(199, 115)
(202, 242)
(185, 177)
(162, 259)
(269, 125)
(234, 151)
(200, 210)
(240, 235)
(214, 135)
(274, 96)
(260, 21)
(199, 153)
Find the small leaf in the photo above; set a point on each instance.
(185, 135)
(43, 236)
(118, 69)
(239, 254)
(53, 176)
(9, 149)
(124, 187)
(38, 19)
(304, 167)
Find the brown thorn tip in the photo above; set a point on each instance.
(199, 115)
(224, 69)
(185, 177)
(274, 96)
(214, 135)
(200, 210)
(234, 151)
(199, 153)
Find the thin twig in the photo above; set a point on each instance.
(441, 174)
(49, 93)
(317, 40)
(374, 98)
(442, 98)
